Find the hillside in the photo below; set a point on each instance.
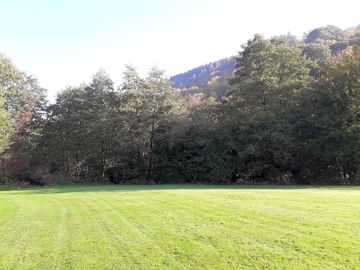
(204, 75)
(211, 79)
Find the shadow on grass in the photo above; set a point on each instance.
(169, 187)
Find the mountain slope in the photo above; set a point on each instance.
(211, 79)
(204, 75)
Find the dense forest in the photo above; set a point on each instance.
(287, 112)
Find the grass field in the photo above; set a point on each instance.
(180, 227)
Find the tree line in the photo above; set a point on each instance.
(292, 115)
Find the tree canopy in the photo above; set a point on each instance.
(290, 114)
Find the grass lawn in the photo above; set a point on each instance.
(180, 227)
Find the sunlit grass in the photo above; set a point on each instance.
(180, 227)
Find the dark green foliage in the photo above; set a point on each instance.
(319, 53)
(199, 153)
(270, 75)
(289, 114)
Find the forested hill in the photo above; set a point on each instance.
(211, 79)
(213, 75)
(293, 116)
(334, 37)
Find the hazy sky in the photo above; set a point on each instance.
(64, 42)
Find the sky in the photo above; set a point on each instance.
(64, 42)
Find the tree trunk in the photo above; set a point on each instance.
(151, 150)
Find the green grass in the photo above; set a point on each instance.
(180, 227)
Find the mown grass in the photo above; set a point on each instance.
(180, 227)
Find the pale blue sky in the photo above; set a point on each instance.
(63, 42)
